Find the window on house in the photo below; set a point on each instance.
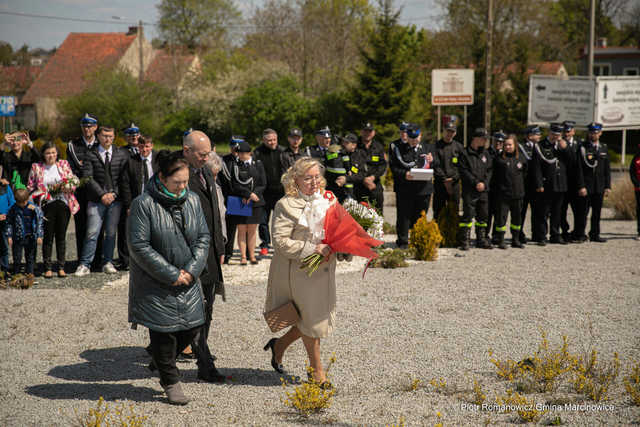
(631, 72)
(601, 69)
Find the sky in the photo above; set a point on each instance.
(49, 33)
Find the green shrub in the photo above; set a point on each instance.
(448, 221)
(391, 258)
(622, 199)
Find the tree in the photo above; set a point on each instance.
(382, 92)
(197, 24)
(116, 98)
(317, 39)
(6, 53)
(276, 103)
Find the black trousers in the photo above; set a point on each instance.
(440, 197)
(494, 210)
(506, 207)
(199, 344)
(80, 219)
(123, 249)
(409, 207)
(548, 207)
(529, 200)
(165, 346)
(593, 202)
(56, 215)
(263, 229)
(638, 210)
(231, 235)
(28, 245)
(475, 205)
(570, 199)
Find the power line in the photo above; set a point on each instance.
(62, 18)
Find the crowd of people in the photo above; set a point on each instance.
(174, 216)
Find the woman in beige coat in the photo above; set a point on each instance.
(315, 296)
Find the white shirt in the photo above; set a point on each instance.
(89, 144)
(102, 153)
(51, 176)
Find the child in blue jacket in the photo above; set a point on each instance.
(6, 201)
(25, 229)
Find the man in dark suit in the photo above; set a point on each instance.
(196, 147)
(141, 167)
(76, 152)
(105, 167)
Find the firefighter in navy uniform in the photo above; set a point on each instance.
(571, 198)
(475, 167)
(370, 189)
(549, 167)
(412, 196)
(355, 174)
(509, 172)
(532, 137)
(446, 175)
(293, 152)
(335, 171)
(495, 150)
(596, 174)
(323, 141)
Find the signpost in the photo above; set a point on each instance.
(553, 99)
(618, 105)
(613, 101)
(451, 86)
(7, 109)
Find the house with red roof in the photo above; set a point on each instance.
(70, 70)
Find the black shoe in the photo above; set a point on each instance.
(542, 243)
(254, 262)
(275, 365)
(598, 239)
(579, 240)
(558, 240)
(211, 375)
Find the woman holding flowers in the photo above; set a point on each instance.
(295, 238)
(52, 185)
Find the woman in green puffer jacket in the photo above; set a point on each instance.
(168, 241)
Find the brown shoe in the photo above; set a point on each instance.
(175, 396)
(48, 274)
(61, 273)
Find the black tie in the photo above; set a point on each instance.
(145, 172)
(108, 181)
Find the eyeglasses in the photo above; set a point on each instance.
(310, 179)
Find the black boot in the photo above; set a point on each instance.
(500, 240)
(481, 238)
(465, 236)
(515, 240)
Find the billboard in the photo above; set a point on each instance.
(618, 102)
(553, 99)
(452, 87)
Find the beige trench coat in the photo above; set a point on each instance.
(315, 296)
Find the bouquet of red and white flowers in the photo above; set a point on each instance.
(331, 224)
(66, 185)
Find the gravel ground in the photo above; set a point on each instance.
(66, 343)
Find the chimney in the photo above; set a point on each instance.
(601, 42)
(132, 31)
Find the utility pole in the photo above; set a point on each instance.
(140, 53)
(592, 37)
(489, 71)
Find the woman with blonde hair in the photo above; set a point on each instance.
(293, 240)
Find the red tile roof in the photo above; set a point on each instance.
(80, 53)
(167, 68)
(17, 78)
